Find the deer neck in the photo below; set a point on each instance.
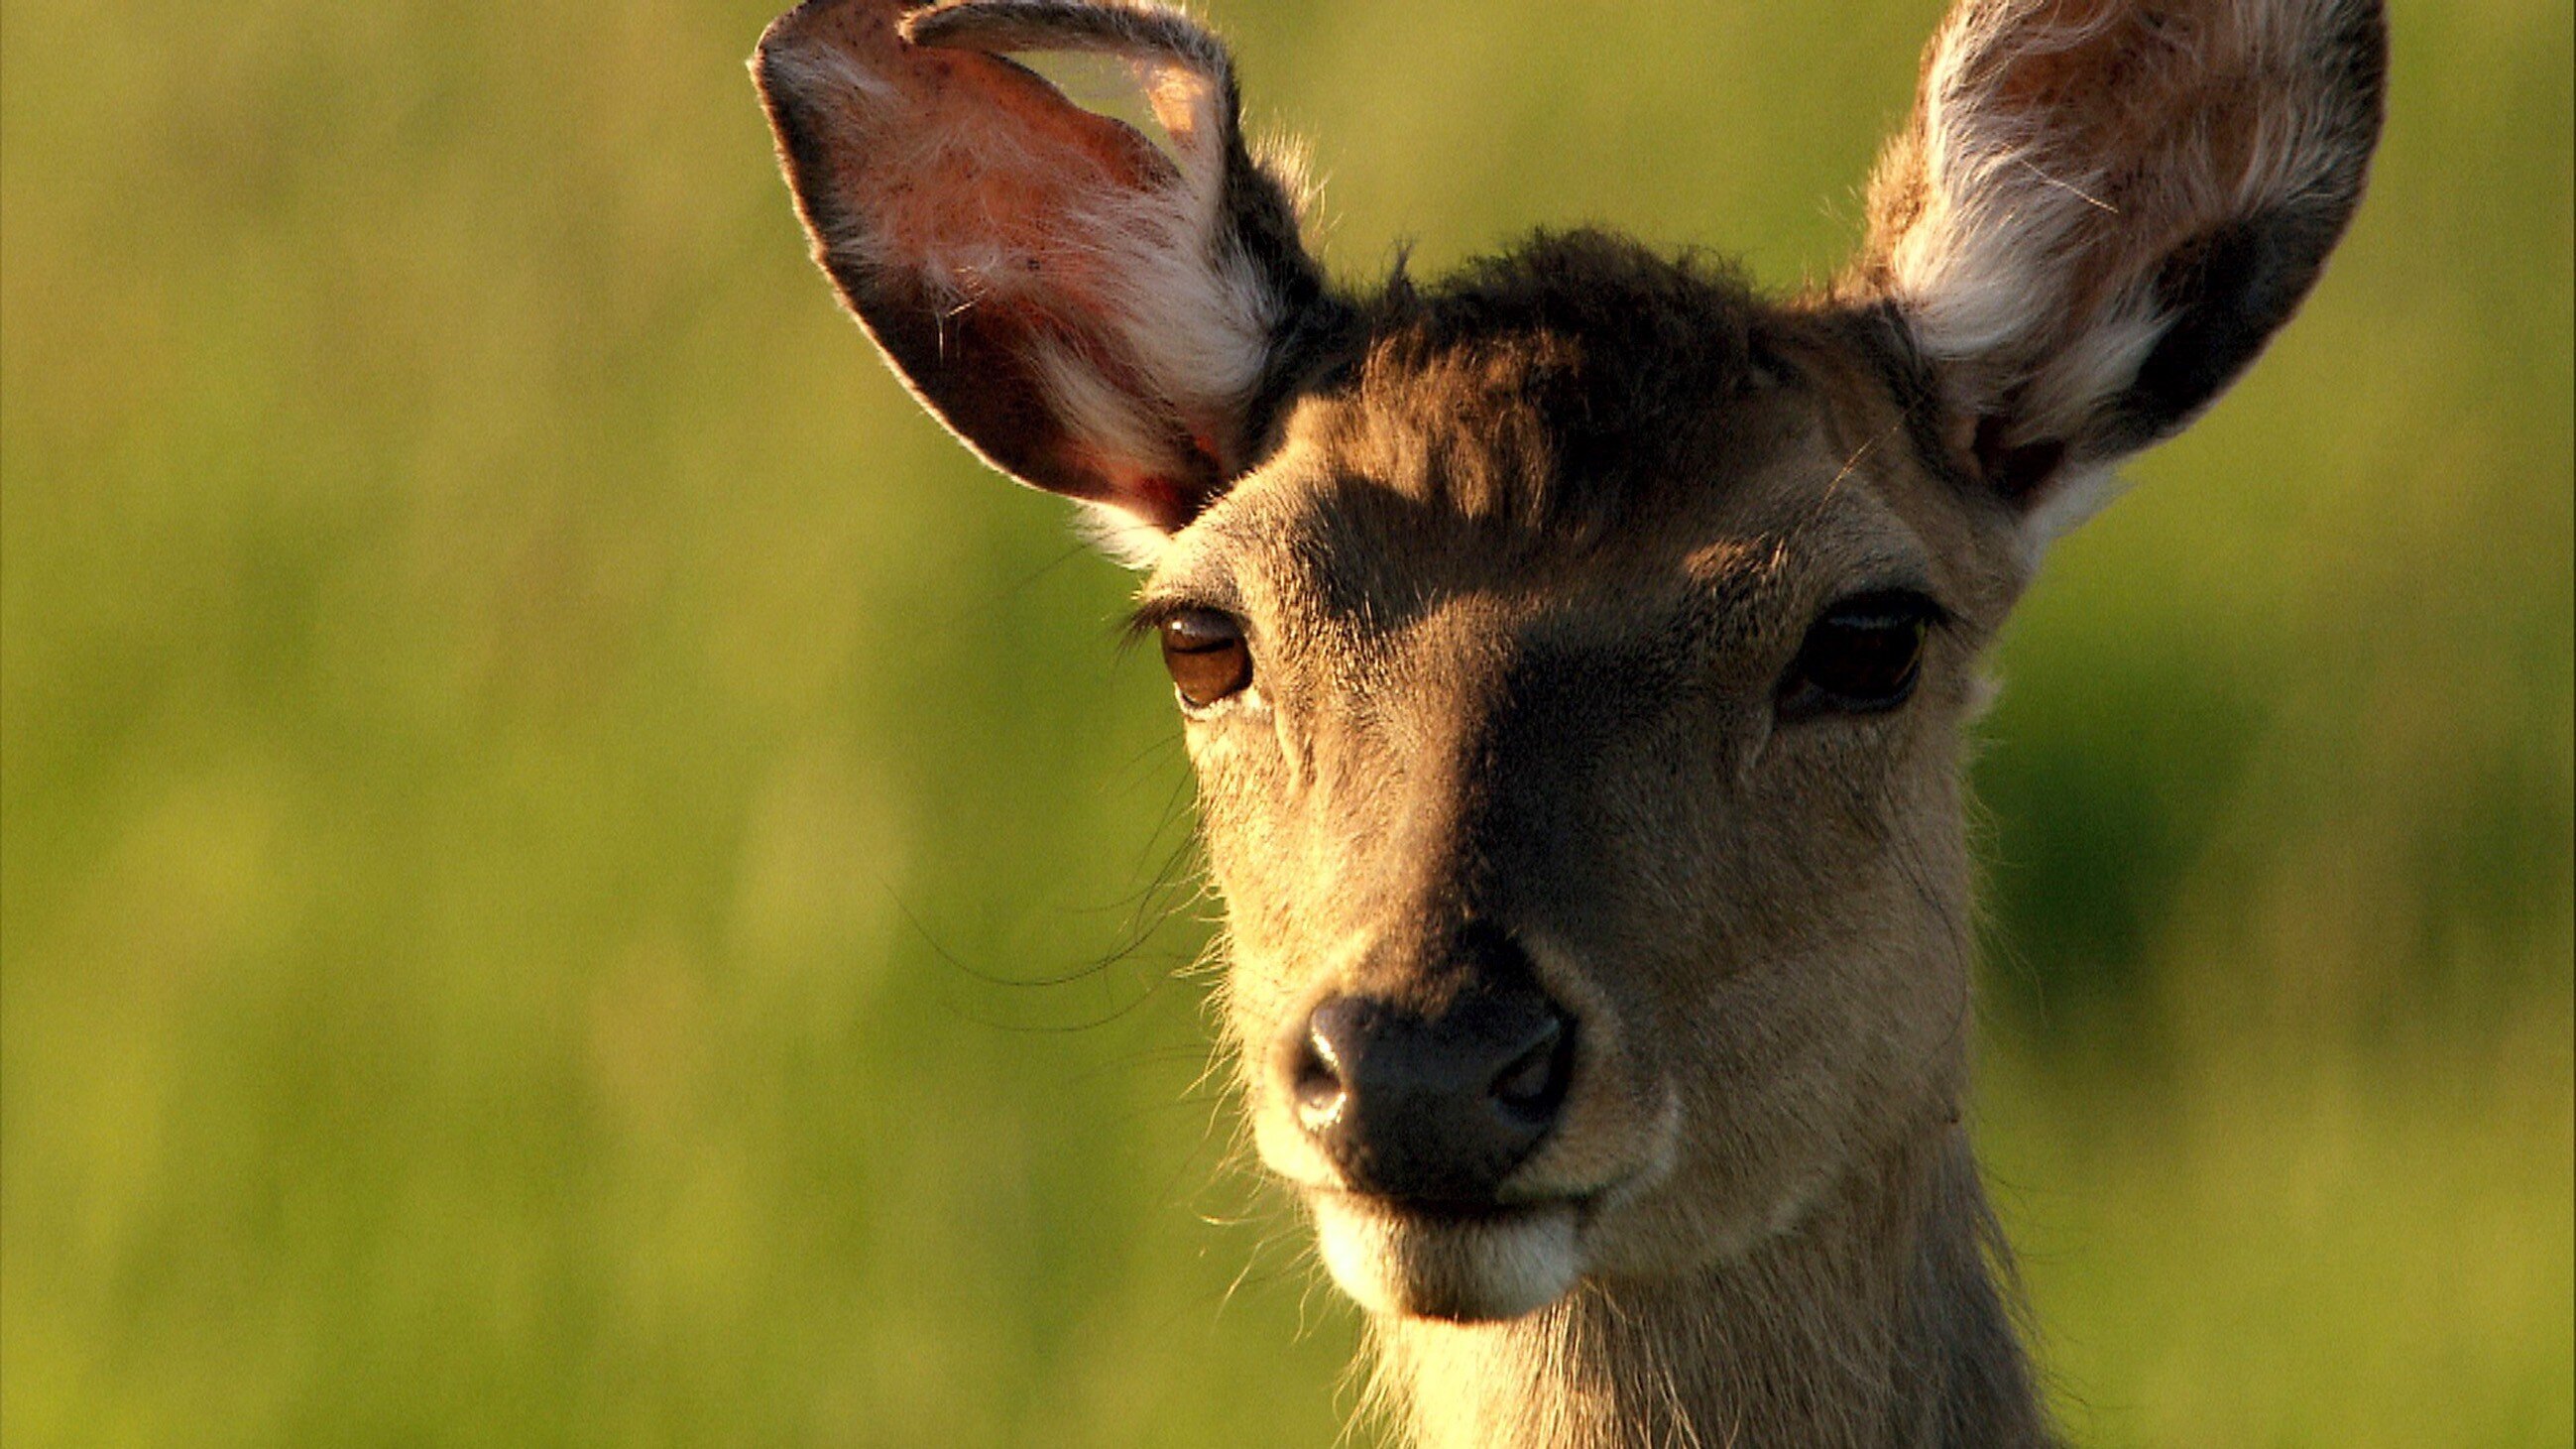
(1877, 1321)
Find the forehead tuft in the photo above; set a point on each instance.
(1559, 387)
(1583, 404)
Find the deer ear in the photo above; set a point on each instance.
(1091, 315)
(2103, 209)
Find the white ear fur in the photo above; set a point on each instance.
(2071, 501)
(1126, 539)
(1187, 310)
(2014, 209)
(2064, 152)
(1090, 314)
(1191, 319)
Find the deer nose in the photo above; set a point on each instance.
(1436, 1106)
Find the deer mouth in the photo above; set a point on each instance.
(1462, 1263)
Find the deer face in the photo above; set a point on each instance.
(1574, 653)
(1585, 802)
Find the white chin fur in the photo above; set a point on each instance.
(1466, 1269)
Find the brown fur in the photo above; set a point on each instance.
(1522, 562)
(1507, 685)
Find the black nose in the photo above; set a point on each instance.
(1437, 1106)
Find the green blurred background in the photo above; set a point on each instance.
(574, 873)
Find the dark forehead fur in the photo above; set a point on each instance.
(1579, 378)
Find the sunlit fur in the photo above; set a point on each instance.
(2062, 150)
(1520, 590)
(1523, 559)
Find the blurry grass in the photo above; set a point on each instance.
(2303, 1249)
(519, 741)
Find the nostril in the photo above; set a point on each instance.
(1531, 1086)
(1317, 1077)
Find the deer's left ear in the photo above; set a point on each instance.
(2103, 209)
(1091, 315)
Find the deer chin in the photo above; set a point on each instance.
(1465, 1267)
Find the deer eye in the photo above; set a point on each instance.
(1205, 652)
(1862, 656)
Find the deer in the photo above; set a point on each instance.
(1575, 653)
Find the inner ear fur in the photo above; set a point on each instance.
(1090, 314)
(2102, 210)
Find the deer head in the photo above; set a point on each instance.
(1574, 653)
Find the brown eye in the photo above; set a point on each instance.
(1862, 657)
(1205, 653)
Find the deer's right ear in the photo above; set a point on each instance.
(1090, 315)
